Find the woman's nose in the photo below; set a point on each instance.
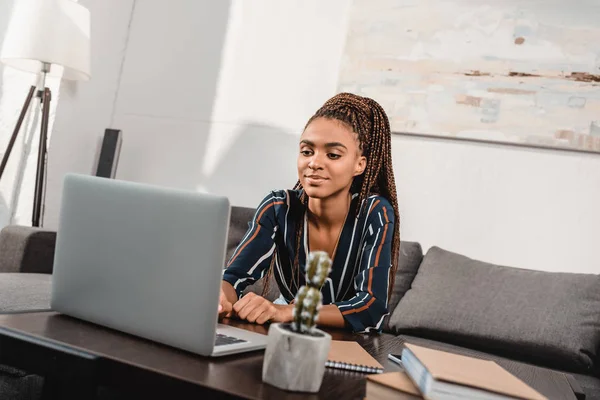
(315, 162)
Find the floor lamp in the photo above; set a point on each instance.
(48, 38)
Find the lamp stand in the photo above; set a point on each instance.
(40, 178)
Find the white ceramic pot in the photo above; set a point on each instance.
(294, 361)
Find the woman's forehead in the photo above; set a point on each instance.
(323, 130)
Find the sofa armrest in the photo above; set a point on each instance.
(26, 249)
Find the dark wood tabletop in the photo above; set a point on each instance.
(45, 343)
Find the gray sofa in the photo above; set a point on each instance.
(440, 299)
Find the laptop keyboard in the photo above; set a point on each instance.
(224, 339)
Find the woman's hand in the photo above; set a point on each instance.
(256, 309)
(225, 306)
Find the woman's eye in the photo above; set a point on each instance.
(334, 156)
(305, 153)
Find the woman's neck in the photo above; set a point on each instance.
(329, 212)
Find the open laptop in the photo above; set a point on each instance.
(145, 260)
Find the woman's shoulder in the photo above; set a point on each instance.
(281, 199)
(379, 207)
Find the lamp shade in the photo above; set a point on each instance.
(49, 31)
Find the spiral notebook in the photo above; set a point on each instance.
(352, 357)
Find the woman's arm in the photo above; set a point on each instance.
(331, 317)
(229, 292)
(255, 308)
(253, 255)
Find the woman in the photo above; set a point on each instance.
(344, 203)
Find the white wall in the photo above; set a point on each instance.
(87, 108)
(213, 98)
(514, 206)
(18, 181)
(280, 64)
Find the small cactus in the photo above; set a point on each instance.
(308, 299)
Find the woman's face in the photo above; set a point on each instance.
(329, 158)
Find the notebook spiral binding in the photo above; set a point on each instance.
(353, 367)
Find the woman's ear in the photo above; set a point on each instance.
(360, 165)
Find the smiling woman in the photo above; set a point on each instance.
(344, 203)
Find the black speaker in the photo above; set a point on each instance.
(109, 153)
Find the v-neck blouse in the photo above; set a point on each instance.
(358, 282)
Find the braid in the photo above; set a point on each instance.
(296, 263)
(369, 121)
(299, 231)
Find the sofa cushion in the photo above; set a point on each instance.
(26, 249)
(547, 318)
(21, 292)
(411, 255)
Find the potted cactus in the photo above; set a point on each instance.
(296, 352)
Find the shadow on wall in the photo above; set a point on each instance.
(27, 134)
(5, 11)
(4, 212)
(5, 7)
(18, 179)
(163, 107)
(261, 158)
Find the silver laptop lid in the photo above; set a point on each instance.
(141, 259)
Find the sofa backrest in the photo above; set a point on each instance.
(26, 249)
(238, 226)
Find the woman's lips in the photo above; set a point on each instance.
(314, 179)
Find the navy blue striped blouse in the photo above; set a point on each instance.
(358, 283)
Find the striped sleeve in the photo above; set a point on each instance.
(252, 257)
(366, 311)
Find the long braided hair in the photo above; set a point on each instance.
(368, 121)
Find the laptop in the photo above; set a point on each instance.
(147, 261)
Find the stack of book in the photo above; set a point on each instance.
(434, 374)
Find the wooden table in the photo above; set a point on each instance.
(81, 356)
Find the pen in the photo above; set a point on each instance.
(396, 359)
